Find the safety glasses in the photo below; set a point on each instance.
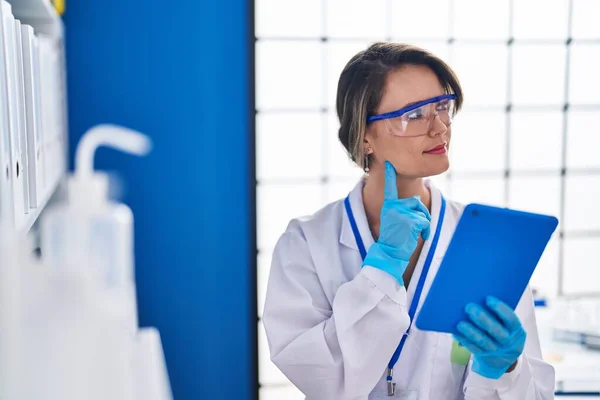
(417, 119)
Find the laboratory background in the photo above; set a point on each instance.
(215, 124)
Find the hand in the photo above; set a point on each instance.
(496, 339)
(401, 223)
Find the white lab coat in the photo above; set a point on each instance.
(332, 326)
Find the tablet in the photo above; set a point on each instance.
(493, 252)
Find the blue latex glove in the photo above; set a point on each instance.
(402, 220)
(495, 337)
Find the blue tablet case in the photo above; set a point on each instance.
(494, 251)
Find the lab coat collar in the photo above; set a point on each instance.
(358, 210)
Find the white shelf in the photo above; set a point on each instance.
(40, 14)
(52, 142)
(34, 213)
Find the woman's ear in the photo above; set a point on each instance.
(369, 136)
(367, 148)
(368, 142)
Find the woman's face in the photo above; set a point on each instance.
(411, 156)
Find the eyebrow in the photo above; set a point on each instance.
(412, 103)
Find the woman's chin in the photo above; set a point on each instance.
(439, 167)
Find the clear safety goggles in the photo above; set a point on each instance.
(417, 119)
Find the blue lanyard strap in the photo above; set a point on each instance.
(415, 301)
(359, 242)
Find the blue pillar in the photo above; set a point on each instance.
(181, 72)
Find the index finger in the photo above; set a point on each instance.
(391, 190)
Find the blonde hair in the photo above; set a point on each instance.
(361, 85)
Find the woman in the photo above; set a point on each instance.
(344, 282)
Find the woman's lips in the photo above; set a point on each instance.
(441, 149)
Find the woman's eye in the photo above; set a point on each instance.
(416, 114)
(443, 106)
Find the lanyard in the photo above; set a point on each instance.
(420, 284)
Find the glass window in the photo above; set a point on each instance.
(263, 268)
(281, 393)
(424, 19)
(581, 203)
(584, 80)
(268, 372)
(356, 18)
(338, 55)
(527, 23)
(538, 194)
(478, 141)
(289, 145)
(478, 190)
(482, 71)
(536, 140)
(288, 75)
(585, 19)
(278, 204)
(439, 48)
(276, 18)
(538, 74)
(339, 164)
(441, 182)
(476, 19)
(339, 188)
(583, 139)
(581, 272)
(545, 276)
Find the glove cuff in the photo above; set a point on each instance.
(380, 259)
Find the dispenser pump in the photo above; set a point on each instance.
(86, 184)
